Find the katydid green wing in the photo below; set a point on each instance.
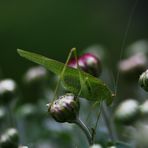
(95, 89)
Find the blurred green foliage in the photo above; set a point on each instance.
(53, 27)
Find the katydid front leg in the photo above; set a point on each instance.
(56, 108)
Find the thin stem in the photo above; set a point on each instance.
(108, 123)
(85, 129)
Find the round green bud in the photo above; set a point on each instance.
(133, 66)
(8, 90)
(65, 108)
(8, 140)
(144, 109)
(143, 80)
(35, 75)
(111, 146)
(5, 141)
(23, 146)
(127, 112)
(13, 135)
(35, 82)
(96, 146)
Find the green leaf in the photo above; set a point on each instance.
(94, 89)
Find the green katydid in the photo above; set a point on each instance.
(92, 89)
(76, 81)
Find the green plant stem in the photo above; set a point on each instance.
(109, 125)
(85, 129)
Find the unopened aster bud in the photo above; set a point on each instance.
(127, 112)
(35, 75)
(8, 90)
(88, 63)
(143, 80)
(35, 80)
(65, 108)
(13, 135)
(9, 139)
(144, 109)
(23, 146)
(96, 146)
(131, 67)
(112, 146)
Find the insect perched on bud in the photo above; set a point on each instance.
(143, 80)
(127, 112)
(65, 108)
(88, 63)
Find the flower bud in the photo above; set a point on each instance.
(35, 81)
(127, 112)
(65, 108)
(9, 139)
(8, 90)
(143, 80)
(13, 135)
(131, 67)
(23, 146)
(96, 146)
(144, 109)
(88, 63)
(35, 75)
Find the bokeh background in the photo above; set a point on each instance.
(52, 27)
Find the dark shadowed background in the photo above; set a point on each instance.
(52, 27)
